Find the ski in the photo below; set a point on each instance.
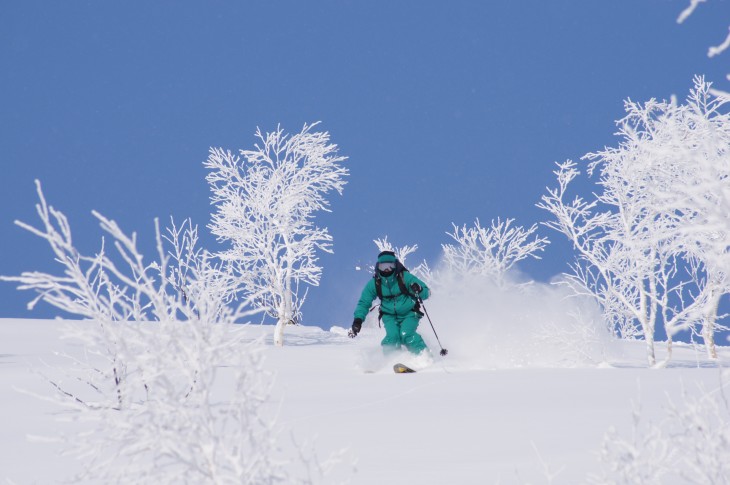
(402, 369)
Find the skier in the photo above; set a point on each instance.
(399, 292)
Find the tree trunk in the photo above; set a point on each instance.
(647, 327)
(649, 337)
(279, 333)
(708, 323)
(708, 335)
(285, 309)
(285, 317)
(648, 322)
(669, 352)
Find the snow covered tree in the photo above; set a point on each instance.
(684, 149)
(693, 142)
(99, 289)
(615, 263)
(266, 200)
(103, 289)
(650, 245)
(167, 387)
(491, 251)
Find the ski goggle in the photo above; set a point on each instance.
(386, 266)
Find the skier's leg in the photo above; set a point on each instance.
(392, 340)
(408, 335)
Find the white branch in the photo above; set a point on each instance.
(689, 10)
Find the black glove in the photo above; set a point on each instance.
(356, 326)
(416, 288)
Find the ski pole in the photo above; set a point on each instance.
(443, 350)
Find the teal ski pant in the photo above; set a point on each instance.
(401, 331)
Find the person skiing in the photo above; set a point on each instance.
(399, 292)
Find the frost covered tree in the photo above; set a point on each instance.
(266, 200)
(183, 282)
(694, 146)
(615, 261)
(107, 290)
(491, 251)
(167, 390)
(651, 245)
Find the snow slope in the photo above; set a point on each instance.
(456, 421)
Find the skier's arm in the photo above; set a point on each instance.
(366, 299)
(363, 307)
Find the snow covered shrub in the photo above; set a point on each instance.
(652, 245)
(167, 390)
(491, 251)
(691, 444)
(194, 412)
(183, 283)
(266, 200)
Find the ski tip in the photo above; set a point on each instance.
(402, 369)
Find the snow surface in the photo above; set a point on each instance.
(460, 420)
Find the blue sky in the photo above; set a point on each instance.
(448, 111)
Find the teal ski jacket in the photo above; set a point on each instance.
(394, 301)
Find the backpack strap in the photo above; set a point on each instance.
(401, 286)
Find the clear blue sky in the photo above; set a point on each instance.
(448, 111)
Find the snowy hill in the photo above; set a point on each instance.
(455, 421)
